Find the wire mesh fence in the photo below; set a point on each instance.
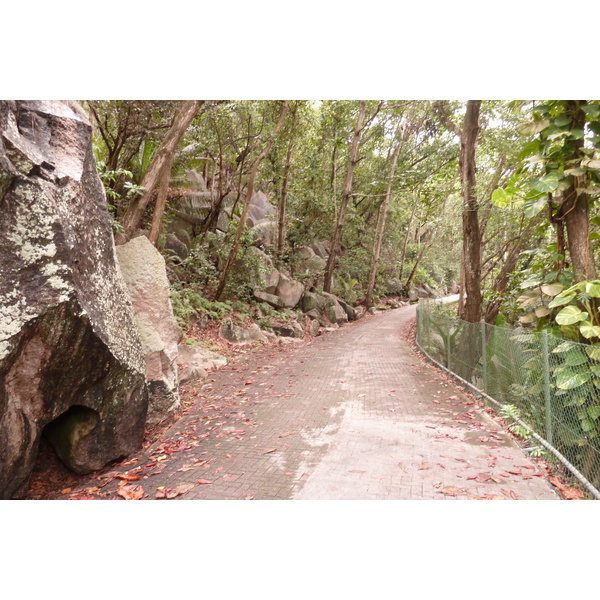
(550, 384)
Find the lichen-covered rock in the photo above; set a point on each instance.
(70, 355)
(290, 329)
(336, 314)
(240, 335)
(312, 301)
(289, 290)
(274, 301)
(143, 269)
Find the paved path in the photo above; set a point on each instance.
(354, 414)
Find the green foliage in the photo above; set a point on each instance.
(188, 304)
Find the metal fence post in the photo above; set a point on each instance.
(484, 356)
(547, 399)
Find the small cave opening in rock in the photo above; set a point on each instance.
(50, 473)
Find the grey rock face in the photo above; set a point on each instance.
(336, 314)
(289, 290)
(144, 272)
(70, 355)
(240, 335)
(274, 301)
(194, 362)
(290, 329)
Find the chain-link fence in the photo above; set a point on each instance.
(548, 384)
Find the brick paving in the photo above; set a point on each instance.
(353, 414)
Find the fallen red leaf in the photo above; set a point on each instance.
(269, 450)
(204, 481)
(131, 492)
(128, 477)
(452, 491)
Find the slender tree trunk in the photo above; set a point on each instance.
(249, 193)
(471, 311)
(352, 160)
(407, 237)
(162, 160)
(427, 241)
(284, 185)
(574, 209)
(501, 281)
(161, 201)
(382, 222)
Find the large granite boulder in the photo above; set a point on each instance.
(70, 356)
(260, 210)
(289, 290)
(144, 272)
(195, 362)
(274, 301)
(234, 334)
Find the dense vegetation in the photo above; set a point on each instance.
(497, 196)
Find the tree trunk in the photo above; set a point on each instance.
(501, 281)
(162, 160)
(471, 311)
(161, 201)
(283, 201)
(382, 222)
(352, 160)
(406, 238)
(249, 193)
(574, 209)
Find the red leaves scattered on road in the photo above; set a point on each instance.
(128, 476)
(489, 497)
(452, 490)
(567, 492)
(204, 482)
(286, 434)
(170, 493)
(269, 450)
(424, 466)
(131, 492)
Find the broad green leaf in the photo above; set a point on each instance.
(593, 411)
(594, 126)
(575, 358)
(529, 283)
(593, 289)
(569, 379)
(561, 299)
(533, 127)
(570, 315)
(576, 134)
(587, 425)
(530, 149)
(547, 183)
(542, 311)
(562, 120)
(595, 221)
(591, 164)
(594, 236)
(589, 331)
(533, 208)
(542, 109)
(500, 198)
(593, 352)
(552, 289)
(592, 110)
(559, 134)
(565, 347)
(575, 172)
